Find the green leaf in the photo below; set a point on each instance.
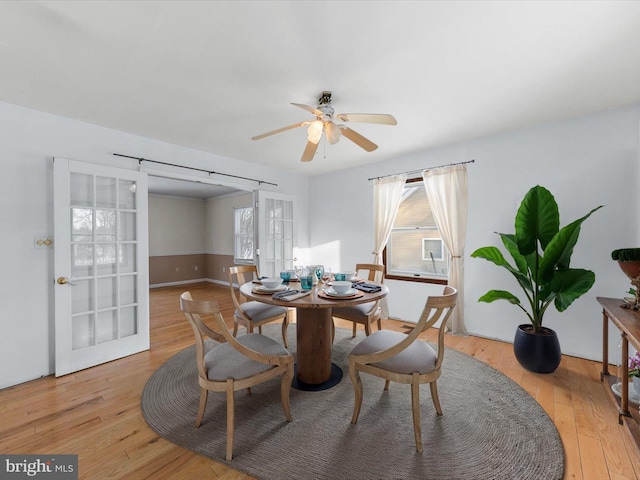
(493, 295)
(558, 252)
(509, 241)
(493, 255)
(537, 219)
(569, 285)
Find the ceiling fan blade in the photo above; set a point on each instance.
(309, 152)
(309, 109)
(358, 139)
(280, 130)
(383, 118)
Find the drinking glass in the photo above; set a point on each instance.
(306, 282)
(319, 272)
(285, 276)
(326, 277)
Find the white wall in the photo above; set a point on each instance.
(584, 162)
(28, 141)
(219, 221)
(176, 225)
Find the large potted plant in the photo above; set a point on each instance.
(541, 252)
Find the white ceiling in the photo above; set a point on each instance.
(184, 188)
(212, 74)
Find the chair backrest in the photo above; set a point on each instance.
(374, 272)
(437, 308)
(239, 275)
(194, 311)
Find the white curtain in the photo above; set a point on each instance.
(447, 192)
(387, 193)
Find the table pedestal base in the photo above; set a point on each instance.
(334, 379)
(313, 370)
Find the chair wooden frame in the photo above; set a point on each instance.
(281, 364)
(375, 273)
(239, 275)
(435, 308)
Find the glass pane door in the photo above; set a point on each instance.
(101, 245)
(275, 233)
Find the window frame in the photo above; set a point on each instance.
(417, 278)
(243, 261)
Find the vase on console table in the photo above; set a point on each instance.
(636, 385)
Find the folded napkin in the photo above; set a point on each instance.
(367, 287)
(289, 295)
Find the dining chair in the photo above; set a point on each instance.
(233, 364)
(403, 358)
(366, 313)
(251, 314)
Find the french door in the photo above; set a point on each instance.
(101, 264)
(276, 233)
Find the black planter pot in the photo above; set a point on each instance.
(537, 352)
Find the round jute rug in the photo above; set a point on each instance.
(490, 428)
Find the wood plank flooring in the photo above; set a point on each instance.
(96, 413)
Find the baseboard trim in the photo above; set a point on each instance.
(186, 282)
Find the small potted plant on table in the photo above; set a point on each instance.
(629, 261)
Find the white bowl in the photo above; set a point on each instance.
(347, 275)
(272, 282)
(341, 287)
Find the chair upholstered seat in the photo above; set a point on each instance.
(356, 311)
(224, 361)
(260, 312)
(418, 357)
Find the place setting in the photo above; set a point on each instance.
(340, 289)
(269, 286)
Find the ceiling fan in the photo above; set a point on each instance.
(325, 122)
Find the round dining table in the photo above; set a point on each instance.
(314, 331)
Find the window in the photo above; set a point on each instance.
(415, 250)
(432, 248)
(243, 235)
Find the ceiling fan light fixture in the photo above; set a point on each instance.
(325, 122)
(314, 131)
(333, 133)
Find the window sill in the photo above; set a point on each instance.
(436, 281)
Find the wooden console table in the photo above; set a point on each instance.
(628, 322)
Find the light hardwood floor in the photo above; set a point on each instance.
(96, 413)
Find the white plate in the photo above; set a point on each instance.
(264, 289)
(332, 293)
(633, 396)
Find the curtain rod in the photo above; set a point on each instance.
(417, 171)
(140, 160)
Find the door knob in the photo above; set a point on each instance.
(63, 281)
